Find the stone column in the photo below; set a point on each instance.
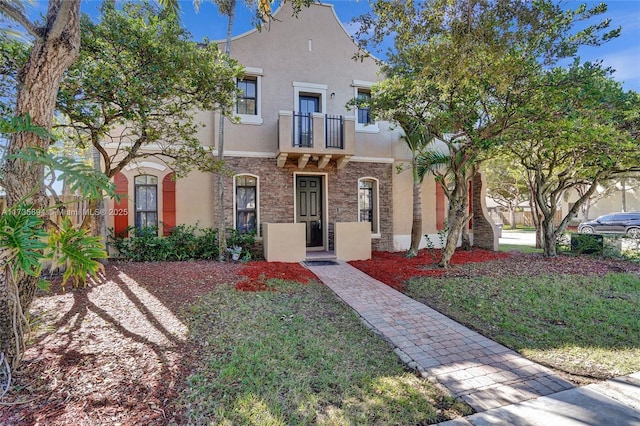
(485, 232)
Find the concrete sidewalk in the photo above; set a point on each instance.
(502, 386)
(615, 402)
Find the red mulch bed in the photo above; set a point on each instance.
(256, 275)
(394, 269)
(116, 351)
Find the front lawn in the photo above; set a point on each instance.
(173, 343)
(577, 314)
(160, 343)
(294, 354)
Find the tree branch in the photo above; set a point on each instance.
(61, 16)
(16, 15)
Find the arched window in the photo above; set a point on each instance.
(368, 203)
(146, 200)
(246, 203)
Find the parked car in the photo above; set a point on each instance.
(613, 223)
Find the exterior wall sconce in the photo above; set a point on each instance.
(333, 95)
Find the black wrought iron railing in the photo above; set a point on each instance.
(302, 130)
(334, 131)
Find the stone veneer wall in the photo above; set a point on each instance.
(276, 192)
(484, 232)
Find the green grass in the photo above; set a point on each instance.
(584, 325)
(299, 356)
(520, 248)
(519, 228)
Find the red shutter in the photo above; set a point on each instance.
(168, 203)
(439, 207)
(121, 209)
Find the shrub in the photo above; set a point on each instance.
(587, 243)
(184, 243)
(246, 240)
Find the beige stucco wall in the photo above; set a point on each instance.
(310, 48)
(353, 241)
(610, 204)
(206, 132)
(194, 199)
(284, 242)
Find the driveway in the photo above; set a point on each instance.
(523, 238)
(528, 238)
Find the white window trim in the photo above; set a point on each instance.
(360, 127)
(314, 88)
(235, 213)
(249, 118)
(376, 204)
(159, 199)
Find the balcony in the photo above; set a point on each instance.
(315, 137)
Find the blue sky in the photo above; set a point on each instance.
(622, 54)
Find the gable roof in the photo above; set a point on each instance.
(285, 12)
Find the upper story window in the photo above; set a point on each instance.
(310, 97)
(246, 203)
(368, 203)
(364, 121)
(248, 100)
(146, 201)
(364, 116)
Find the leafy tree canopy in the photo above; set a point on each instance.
(465, 68)
(577, 130)
(140, 81)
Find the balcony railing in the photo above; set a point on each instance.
(315, 137)
(334, 131)
(302, 130)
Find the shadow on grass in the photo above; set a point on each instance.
(297, 355)
(121, 350)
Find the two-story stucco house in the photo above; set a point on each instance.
(298, 155)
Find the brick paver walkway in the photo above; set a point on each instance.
(478, 370)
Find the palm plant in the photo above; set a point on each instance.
(24, 243)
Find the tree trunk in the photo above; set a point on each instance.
(537, 223)
(8, 340)
(512, 215)
(585, 210)
(535, 214)
(457, 217)
(222, 238)
(416, 226)
(465, 239)
(623, 182)
(548, 237)
(39, 81)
